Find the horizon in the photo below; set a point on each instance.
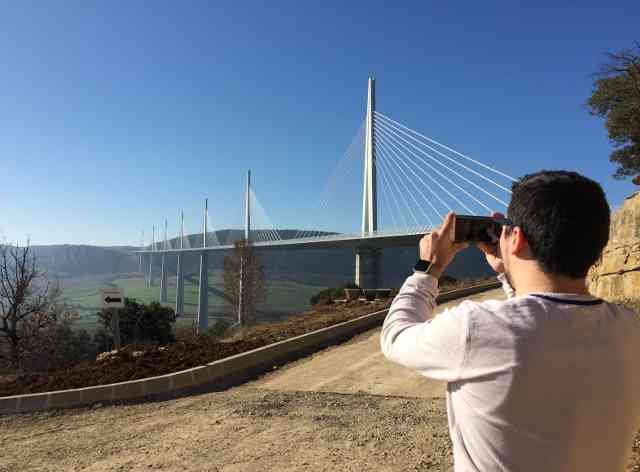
(118, 117)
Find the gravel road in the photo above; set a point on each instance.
(343, 409)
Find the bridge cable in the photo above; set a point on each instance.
(397, 136)
(398, 159)
(355, 146)
(262, 218)
(398, 153)
(388, 154)
(411, 193)
(327, 193)
(215, 240)
(421, 208)
(383, 166)
(397, 129)
(397, 181)
(355, 150)
(387, 197)
(403, 200)
(391, 138)
(433, 141)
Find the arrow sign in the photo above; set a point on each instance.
(112, 297)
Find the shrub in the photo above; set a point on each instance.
(57, 347)
(218, 329)
(139, 323)
(328, 295)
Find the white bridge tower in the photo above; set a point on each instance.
(368, 258)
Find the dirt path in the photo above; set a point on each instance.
(290, 420)
(244, 429)
(359, 366)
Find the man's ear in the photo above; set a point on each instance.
(518, 242)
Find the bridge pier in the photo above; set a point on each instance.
(368, 267)
(150, 274)
(163, 280)
(203, 294)
(180, 286)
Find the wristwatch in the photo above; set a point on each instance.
(423, 266)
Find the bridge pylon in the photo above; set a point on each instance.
(370, 191)
(153, 248)
(247, 235)
(164, 269)
(367, 258)
(203, 289)
(179, 272)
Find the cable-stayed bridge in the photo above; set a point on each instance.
(416, 178)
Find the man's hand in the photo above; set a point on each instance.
(438, 248)
(491, 251)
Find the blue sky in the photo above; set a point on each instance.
(116, 115)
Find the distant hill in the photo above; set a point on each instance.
(69, 260)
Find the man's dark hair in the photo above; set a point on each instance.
(565, 219)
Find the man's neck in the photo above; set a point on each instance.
(537, 281)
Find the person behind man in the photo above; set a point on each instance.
(548, 379)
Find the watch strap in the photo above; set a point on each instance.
(422, 266)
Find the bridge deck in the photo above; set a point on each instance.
(377, 240)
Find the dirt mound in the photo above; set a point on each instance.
(141, 361)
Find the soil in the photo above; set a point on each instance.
(243, 429)
(137, 362)
(308, 416)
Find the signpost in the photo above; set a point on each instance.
(113, 299)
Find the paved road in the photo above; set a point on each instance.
(359, 366)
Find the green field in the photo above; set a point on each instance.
(282, 297)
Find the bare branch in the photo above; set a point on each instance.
(28, 302)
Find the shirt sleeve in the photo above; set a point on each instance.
(435, 346)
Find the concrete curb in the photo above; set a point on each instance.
(216, 375)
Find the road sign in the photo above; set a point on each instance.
(112, 297)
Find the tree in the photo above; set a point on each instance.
(29, 304)
(58, 346)
(138, 323)
(616, 97)
(244, 260)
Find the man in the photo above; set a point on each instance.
(548, 379)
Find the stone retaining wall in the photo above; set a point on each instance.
(616, 275)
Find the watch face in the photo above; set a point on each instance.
(422, 265)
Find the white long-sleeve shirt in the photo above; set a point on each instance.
(543, 382)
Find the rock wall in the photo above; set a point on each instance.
(616, 275)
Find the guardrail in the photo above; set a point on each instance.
(216, 375)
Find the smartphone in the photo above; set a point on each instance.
(467, 228)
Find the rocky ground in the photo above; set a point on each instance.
(243, 429)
